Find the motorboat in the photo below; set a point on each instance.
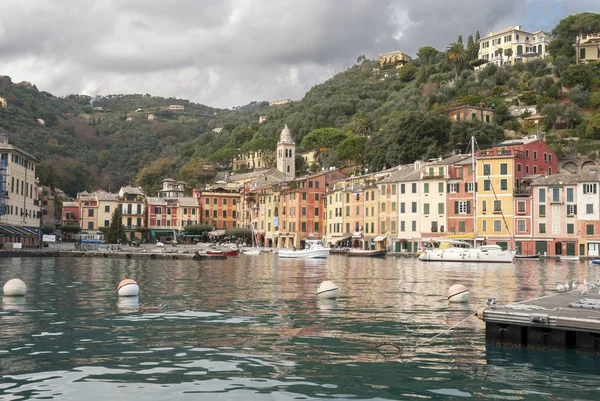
(370, 253)
(569, 258)
(451, 250)
(252, 251)
(230, 253)
(595, 262)
(536, 256)
(313, 249)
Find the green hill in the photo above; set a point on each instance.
(365, 116)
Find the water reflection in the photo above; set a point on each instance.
(254, 326)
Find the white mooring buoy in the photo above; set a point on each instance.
(458, 293)
(15, 288)
(328, 290)
(128, 288)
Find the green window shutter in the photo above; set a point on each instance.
(455, 207)
(468, 207)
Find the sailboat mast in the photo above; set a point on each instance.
(474, 168)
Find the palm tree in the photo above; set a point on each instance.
(500, 52)
(508, 53)
(362, 124)
(456, 56)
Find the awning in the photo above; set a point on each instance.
(357, 234)
(10, 230)
(380, 238)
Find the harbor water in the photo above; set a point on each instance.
(252, 328)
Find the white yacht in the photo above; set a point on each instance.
(451, 250)
(313, 249)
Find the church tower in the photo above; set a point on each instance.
(286, 154)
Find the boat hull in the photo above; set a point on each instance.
(304, 254)
(366, 253)
(595, 262)
(230, 254)
(467, 255)
(528, 256)
(569, 258)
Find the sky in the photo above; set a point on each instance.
(226, 53)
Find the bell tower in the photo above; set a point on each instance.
(286, 154)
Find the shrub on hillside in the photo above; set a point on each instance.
(579, 96)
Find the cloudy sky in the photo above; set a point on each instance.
(225, 53)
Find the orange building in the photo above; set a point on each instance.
(221, 208)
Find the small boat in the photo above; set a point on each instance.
(451, 250)
(569, 258)
(536, 256)
(379, 253)
(595, 262)
(314, 249)
(252, 251)
(230, 253)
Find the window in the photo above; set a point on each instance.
(462, 227)
(497, 226)
(434, 227)
(473, 116)
(393, 207)
(207, 213)
(90, 225)
(214, 213)
(440, 187)
(316, 184)
(503, 168)
(487, 185)
(317, 211)
(542, 228)
(571, 210)
(414, 225)
(484, 206)
(589, 208)
(414, 207)
(106, 208)
(469, 187)
(224, 214)
(357, 210)
(316, 224)
(520, 207)
(402, 188)
(521, 227)
(453, 188)
(304, 226)
(224, 201)
(234, 202)
(207, 201)
(426, 208)
(382, 208)
(393, 226)
(555, 228)
(484, 226)
(582, 53)
(317, 196)
(382, 226)
(310, 184)
(542, 210)
(106, 223)
(589, 229)
(402, 207)
(497, 206)
(487, 169)
(304, 211)
(414, 188)
(542, 195)
(440, 208)
(519, 168)
(402, 226)
(555, 194)
(589, 188)
(426, 188)
(215, 201)
(570, 228)
(90, 212)
(569, 194)
(462, 207)
(535, 155)
(304, 196)
(503, 184)
(393, 189)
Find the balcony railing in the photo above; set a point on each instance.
(502, 153)
(522, 191)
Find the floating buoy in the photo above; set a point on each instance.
(15, 288)
(458, 293)
(327, 290)
(128, 288)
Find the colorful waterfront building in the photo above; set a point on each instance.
(555, 231)
(334, 206)
(107, 204)
(221, 207)
(502, 171)
(131, 201)
(587, 211)
(524, 45)
(460, 198)
(161, 218)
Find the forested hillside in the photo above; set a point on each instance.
(366, 117)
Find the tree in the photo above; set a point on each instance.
(150, 177)
(580, 74)
(115, 234)
(77, 177)
(195, 173)
(360, 59)
(48, 175)
(265, 145)
(553, 112)
(224, 156)
(456, 56)
(406, 137)
(485, 134)
(323, 138)
(427, 54)
(351, 148)
(569, 31)
(508, 53)
(408, 72)
(362, 124)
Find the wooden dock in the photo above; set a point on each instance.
(113, 255)
(562, 322)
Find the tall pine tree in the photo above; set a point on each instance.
(116, 231)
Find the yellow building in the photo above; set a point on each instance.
(397, 59)
(588, 48)
(3, 103)
(525, 46)
(107, 204)
(495, 203)
(334, 225)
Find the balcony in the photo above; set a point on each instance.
(502, 153)
(522, 191)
